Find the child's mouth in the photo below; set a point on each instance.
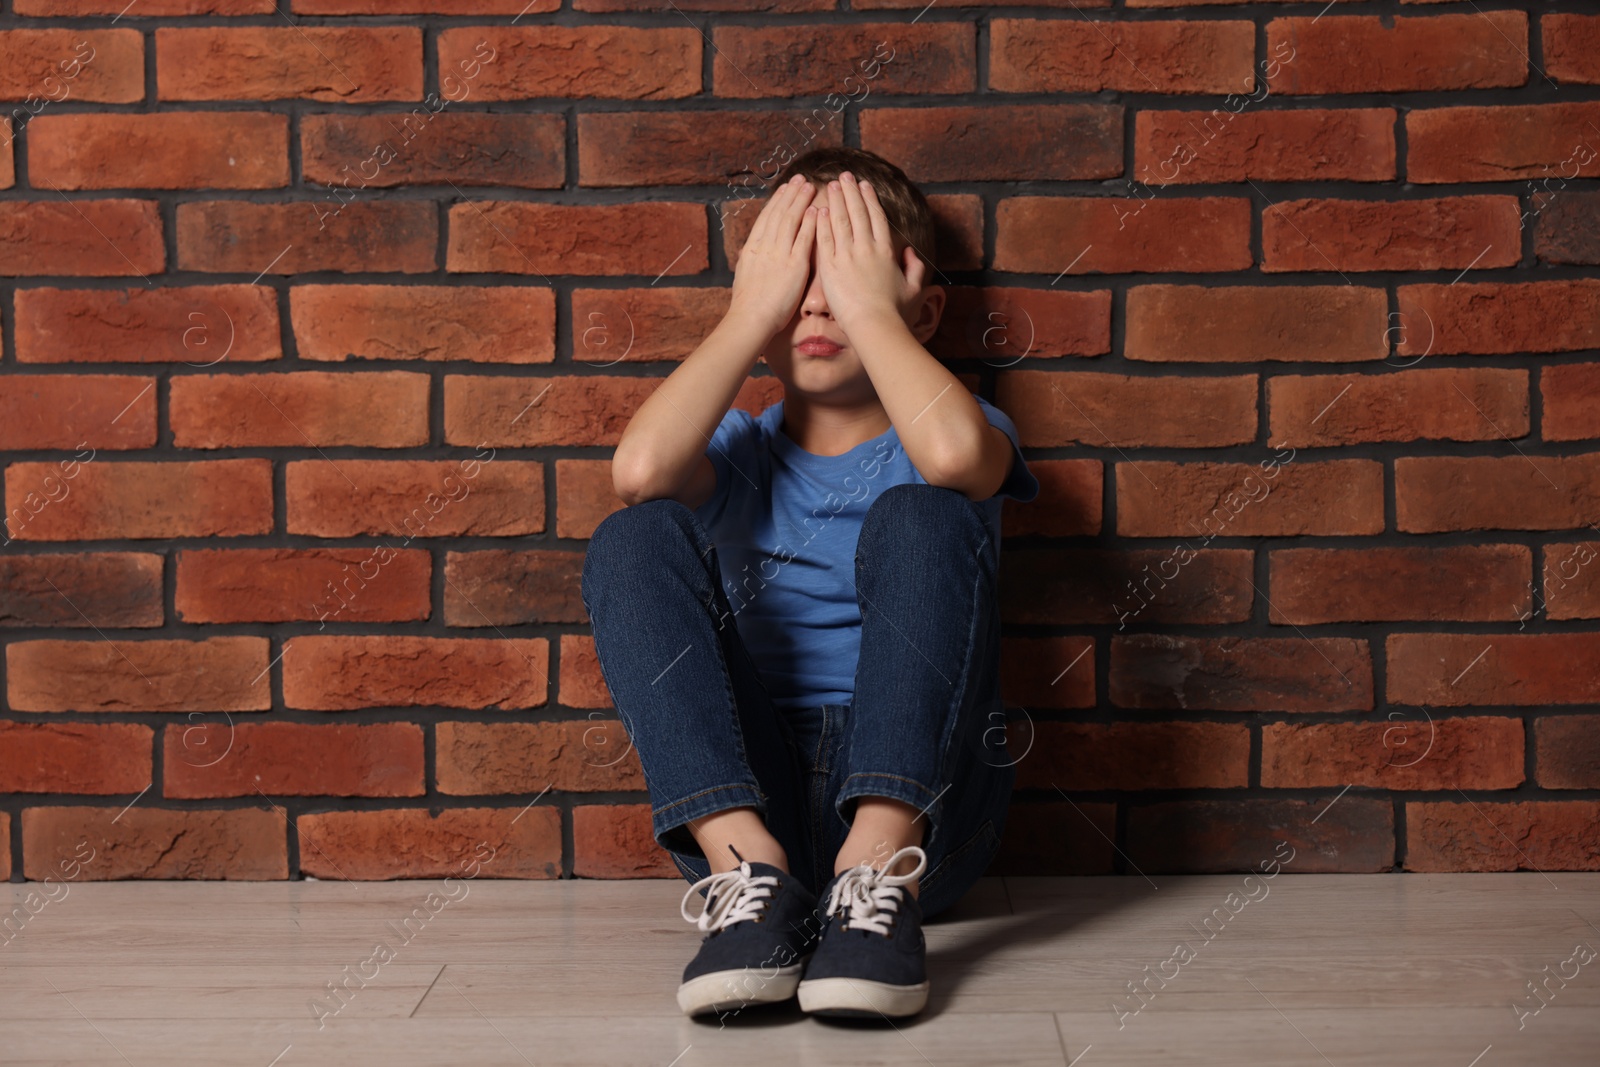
(821, 349)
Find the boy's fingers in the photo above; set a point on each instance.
(771, 207)
(838, 212)
(855, 207)
(880, 219)
(794, 210)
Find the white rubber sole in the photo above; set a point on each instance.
(857, 996)
(741, 988)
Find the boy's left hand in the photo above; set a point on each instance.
(856, 259)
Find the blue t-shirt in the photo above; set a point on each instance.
(785, 522)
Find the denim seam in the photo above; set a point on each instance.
(739, 786)
(845, 794)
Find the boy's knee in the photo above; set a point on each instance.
(927, 506)
(638, 521)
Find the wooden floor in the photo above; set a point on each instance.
(1341, 970)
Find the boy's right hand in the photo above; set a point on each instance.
(774, 265)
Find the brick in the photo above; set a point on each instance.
(1484, 752)
(1571, 585)
(93, 238)
(166, 150)
(1567, 751)
(1286, 674)
(1002, 325)
(1571, 48)
(1438, 493)
(484, 324)
(1540, 835)
(632, 148)
(518, 237)
(459, 843)
(1502, 143)
(428, 147)
(1230, 144)
(583, 684)
(1566, 226)
(198, 324)
(616, 841)
(1113, 410)
(100, 589)
(307, 236)
(1238, 499)
(294, 759)
(147, 8)
(1246, 324)
(577, 756)
(527, 412)
(1223, 836)
(1057, 839)
(93, 66)
(1453, 233)
(904, 4)
(383, 409)
(239, 844)
(1455, 583)
(215, 674)
(1068, 504)
(1477, 50)
(497, 587)
(612, 326)
(341, 673)
(77, 411)
(425, 7)
(577, 62)
(5, 844)
(1456, 670)
(1570, 393)
(377, 584)
(341, 64)
(1056, 586)
(74, 757)
(1427, 404)
(415, 498)
(1048, 672)
(215, 498)
(1148, 56)
(773, 6)
(1498, 318)
(807, 59)
(1026, 142)
(1120, 235)
(1137, 755)
(8, 169)
(584, 497)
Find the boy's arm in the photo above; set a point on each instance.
(662, 453)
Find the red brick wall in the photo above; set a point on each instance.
(317, 332)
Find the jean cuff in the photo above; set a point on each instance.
(895, 787)
(670, 822)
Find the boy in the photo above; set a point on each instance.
(795, 615)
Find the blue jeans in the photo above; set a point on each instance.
(925, 724)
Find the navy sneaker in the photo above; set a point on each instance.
(871, 959)
(760, 924)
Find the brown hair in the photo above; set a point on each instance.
(903, 203)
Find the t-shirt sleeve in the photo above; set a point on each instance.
(1020, 483)
(733, 445)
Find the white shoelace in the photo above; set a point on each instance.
(731, 897)
(869, 896)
